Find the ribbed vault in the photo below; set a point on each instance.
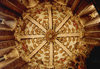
(47, 36)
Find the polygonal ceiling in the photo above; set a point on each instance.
(48, 36)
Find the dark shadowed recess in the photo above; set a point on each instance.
(93, 62)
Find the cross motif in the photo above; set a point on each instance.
(38, 11)
(61, 60)
(75, 24)
(24, 47)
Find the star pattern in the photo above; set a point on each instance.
(54, 25)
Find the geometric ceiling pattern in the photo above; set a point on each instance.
(48, 35)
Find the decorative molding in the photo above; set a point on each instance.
(8, 37)
(93, 21)
(5, 44)
(82, 34)
(10, 5)
(61, 2)
(30, 4)
(19, 4)
(1, 13)
(10, 27)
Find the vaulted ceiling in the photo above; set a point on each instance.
(50, 33)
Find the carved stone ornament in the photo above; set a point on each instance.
(30, 3)
(49, 33)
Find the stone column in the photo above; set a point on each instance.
(19, 4)
(5, 44)
(8, 37)
(17, 64)
(11, 6)
(92, 35)
(81, 6)
(87, 10)
(93, 21)
(5, 50)
(91, 42)
(9, 56)
(6, 13)
(93, 28)
(84, 19)
(4, 32)
(6, 62)
(75, 4)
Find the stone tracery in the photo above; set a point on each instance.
(40, 25)
(56, 50)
